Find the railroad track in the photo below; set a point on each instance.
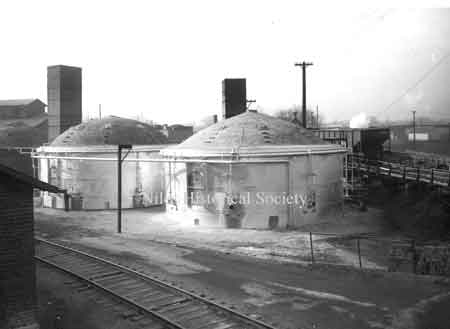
(171, 306)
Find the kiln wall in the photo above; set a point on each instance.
(96, 182)
(297, 192)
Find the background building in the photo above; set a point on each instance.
(23, 123)
(238, 173)
(430, 138)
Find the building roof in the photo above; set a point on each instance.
(64, 66)
(18, 102)
(251, 133)
(111, 130)
(26, 179)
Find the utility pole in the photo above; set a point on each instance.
(119, 183)
(99, 111)
(317, 116)
(414, 128)
(304, 65)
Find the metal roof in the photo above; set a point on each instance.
(111, 130)
(18, 102)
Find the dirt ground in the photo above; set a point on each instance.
(292, 246)
(263, 273)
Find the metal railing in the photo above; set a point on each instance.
(431, 176)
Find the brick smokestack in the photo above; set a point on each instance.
(234, 97)
(64, 99)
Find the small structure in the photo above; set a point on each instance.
(83, 160)
(175, 133)
(17, 269)
(254, 171)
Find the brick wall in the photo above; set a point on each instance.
(17, 269)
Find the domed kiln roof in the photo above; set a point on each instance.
(249, 132)
(110, 131)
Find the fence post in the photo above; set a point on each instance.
(418, 174)
(311, 244)
(404, 173)
(432, 176)
(359, 252)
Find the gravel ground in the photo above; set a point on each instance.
(63, 303)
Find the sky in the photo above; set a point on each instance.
(165, 60)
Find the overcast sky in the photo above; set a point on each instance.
(166, 59)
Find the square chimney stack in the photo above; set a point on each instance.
(234, 97)
(63, 98)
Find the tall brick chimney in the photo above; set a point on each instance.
(63, 98)
(234, 97)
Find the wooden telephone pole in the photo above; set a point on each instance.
(304, 65)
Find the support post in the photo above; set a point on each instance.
(119, 183)
(119, 190)
(359, 252)
(414, 128)
(66, 201)
(311, 245)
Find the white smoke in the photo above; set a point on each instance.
(359, 121)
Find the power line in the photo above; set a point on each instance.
(422, 78)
